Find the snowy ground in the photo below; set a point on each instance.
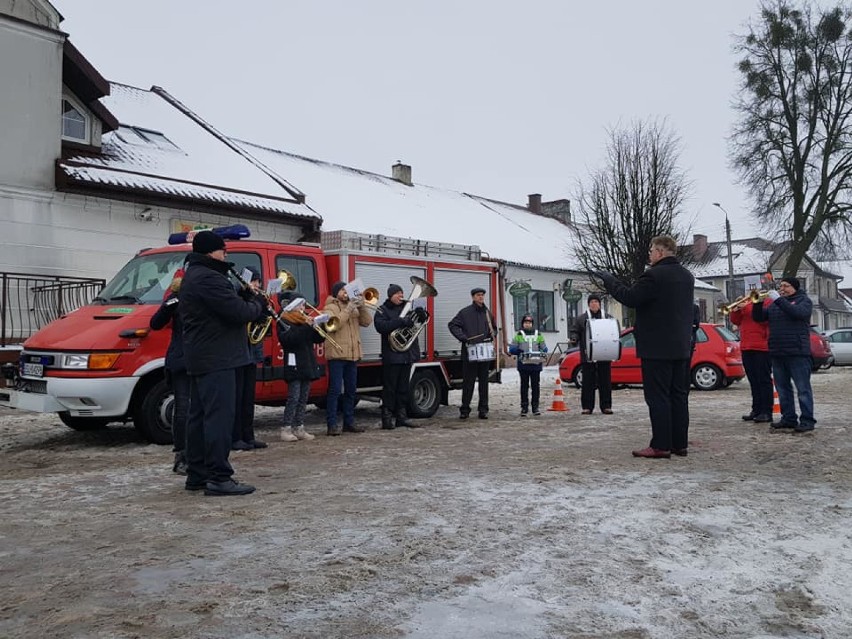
(535, 528)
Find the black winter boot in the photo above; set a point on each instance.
(401, 420)
(387, 419)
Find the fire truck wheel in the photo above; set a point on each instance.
(83, 423)
(425, 394)
(153, 415)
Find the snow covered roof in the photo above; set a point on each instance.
(162, 148)
(749, 257)
(370, 203)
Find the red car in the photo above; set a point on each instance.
(821, 354)
(716, 363)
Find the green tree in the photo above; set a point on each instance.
(637, 194)
(792, 143)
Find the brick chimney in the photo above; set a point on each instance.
(401, 173)
(534, 203)
(699, 246)
(559, 210)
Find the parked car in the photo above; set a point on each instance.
(716, 363)
(822, 355)
(840, 341)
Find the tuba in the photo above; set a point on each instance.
(401, 339)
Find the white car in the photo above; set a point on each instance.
(840, 340)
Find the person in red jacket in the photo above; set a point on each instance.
(754, 344)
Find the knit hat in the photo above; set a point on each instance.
(255, 274)
(393, 289)
(476, 290)
(593, 296)
(335, 288)
(205, 242)
(792, 281)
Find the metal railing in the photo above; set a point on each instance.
(28, 301)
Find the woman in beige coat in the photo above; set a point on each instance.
(343, 357)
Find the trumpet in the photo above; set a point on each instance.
(325, 329)
(754, 296)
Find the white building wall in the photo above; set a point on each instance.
(30, 103)
(52, 233)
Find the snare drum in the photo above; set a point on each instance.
(602, 340)
(533, 357)
(480, 352)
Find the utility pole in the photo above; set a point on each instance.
(731, 293)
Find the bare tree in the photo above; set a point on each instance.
(635, 196)
(791, 146)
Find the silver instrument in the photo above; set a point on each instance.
(403, 338)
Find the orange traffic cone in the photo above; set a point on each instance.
(776, 403)
(558, 399)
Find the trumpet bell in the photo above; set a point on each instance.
(332, 325)
(371, 296)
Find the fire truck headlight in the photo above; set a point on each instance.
(80, 361)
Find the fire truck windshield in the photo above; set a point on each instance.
(143, 280)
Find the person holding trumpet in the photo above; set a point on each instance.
(297, 338)
(754, 344)
(343, 355)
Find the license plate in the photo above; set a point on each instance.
(33, 370)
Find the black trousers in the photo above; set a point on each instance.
(596, 375)
(395, 384)
(530, 379)
(246, 376)
(758, 368)
(666, 387)
(474, 372)
(179, 383)
(212, 400)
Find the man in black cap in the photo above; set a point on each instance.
(789, 317)
(342, 356)
(474, 325)
(396, 365)
(214, 319)
(595, 374)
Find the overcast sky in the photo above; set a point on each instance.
(491, 97)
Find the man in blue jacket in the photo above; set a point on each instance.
(663, 299)
(214, 318)
(789, 317)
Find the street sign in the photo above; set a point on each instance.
(572, 296)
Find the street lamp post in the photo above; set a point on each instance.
(731, 292)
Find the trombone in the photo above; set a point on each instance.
(325, 329)
(371, 300)
(754, 296)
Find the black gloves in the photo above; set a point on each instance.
(408, 321)
(421, 314)
(247, 294)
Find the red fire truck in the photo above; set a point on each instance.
(102, 364)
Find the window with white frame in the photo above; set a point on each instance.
(75, 123)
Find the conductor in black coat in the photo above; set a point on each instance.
(214, 318)
(663, 299)
(396, 365)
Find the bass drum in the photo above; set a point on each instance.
(602, 340)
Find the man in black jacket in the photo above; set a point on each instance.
(789, 317)
(474, 325)
(595, 374)
(663, 299)
(214, 321)
(396, 365)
